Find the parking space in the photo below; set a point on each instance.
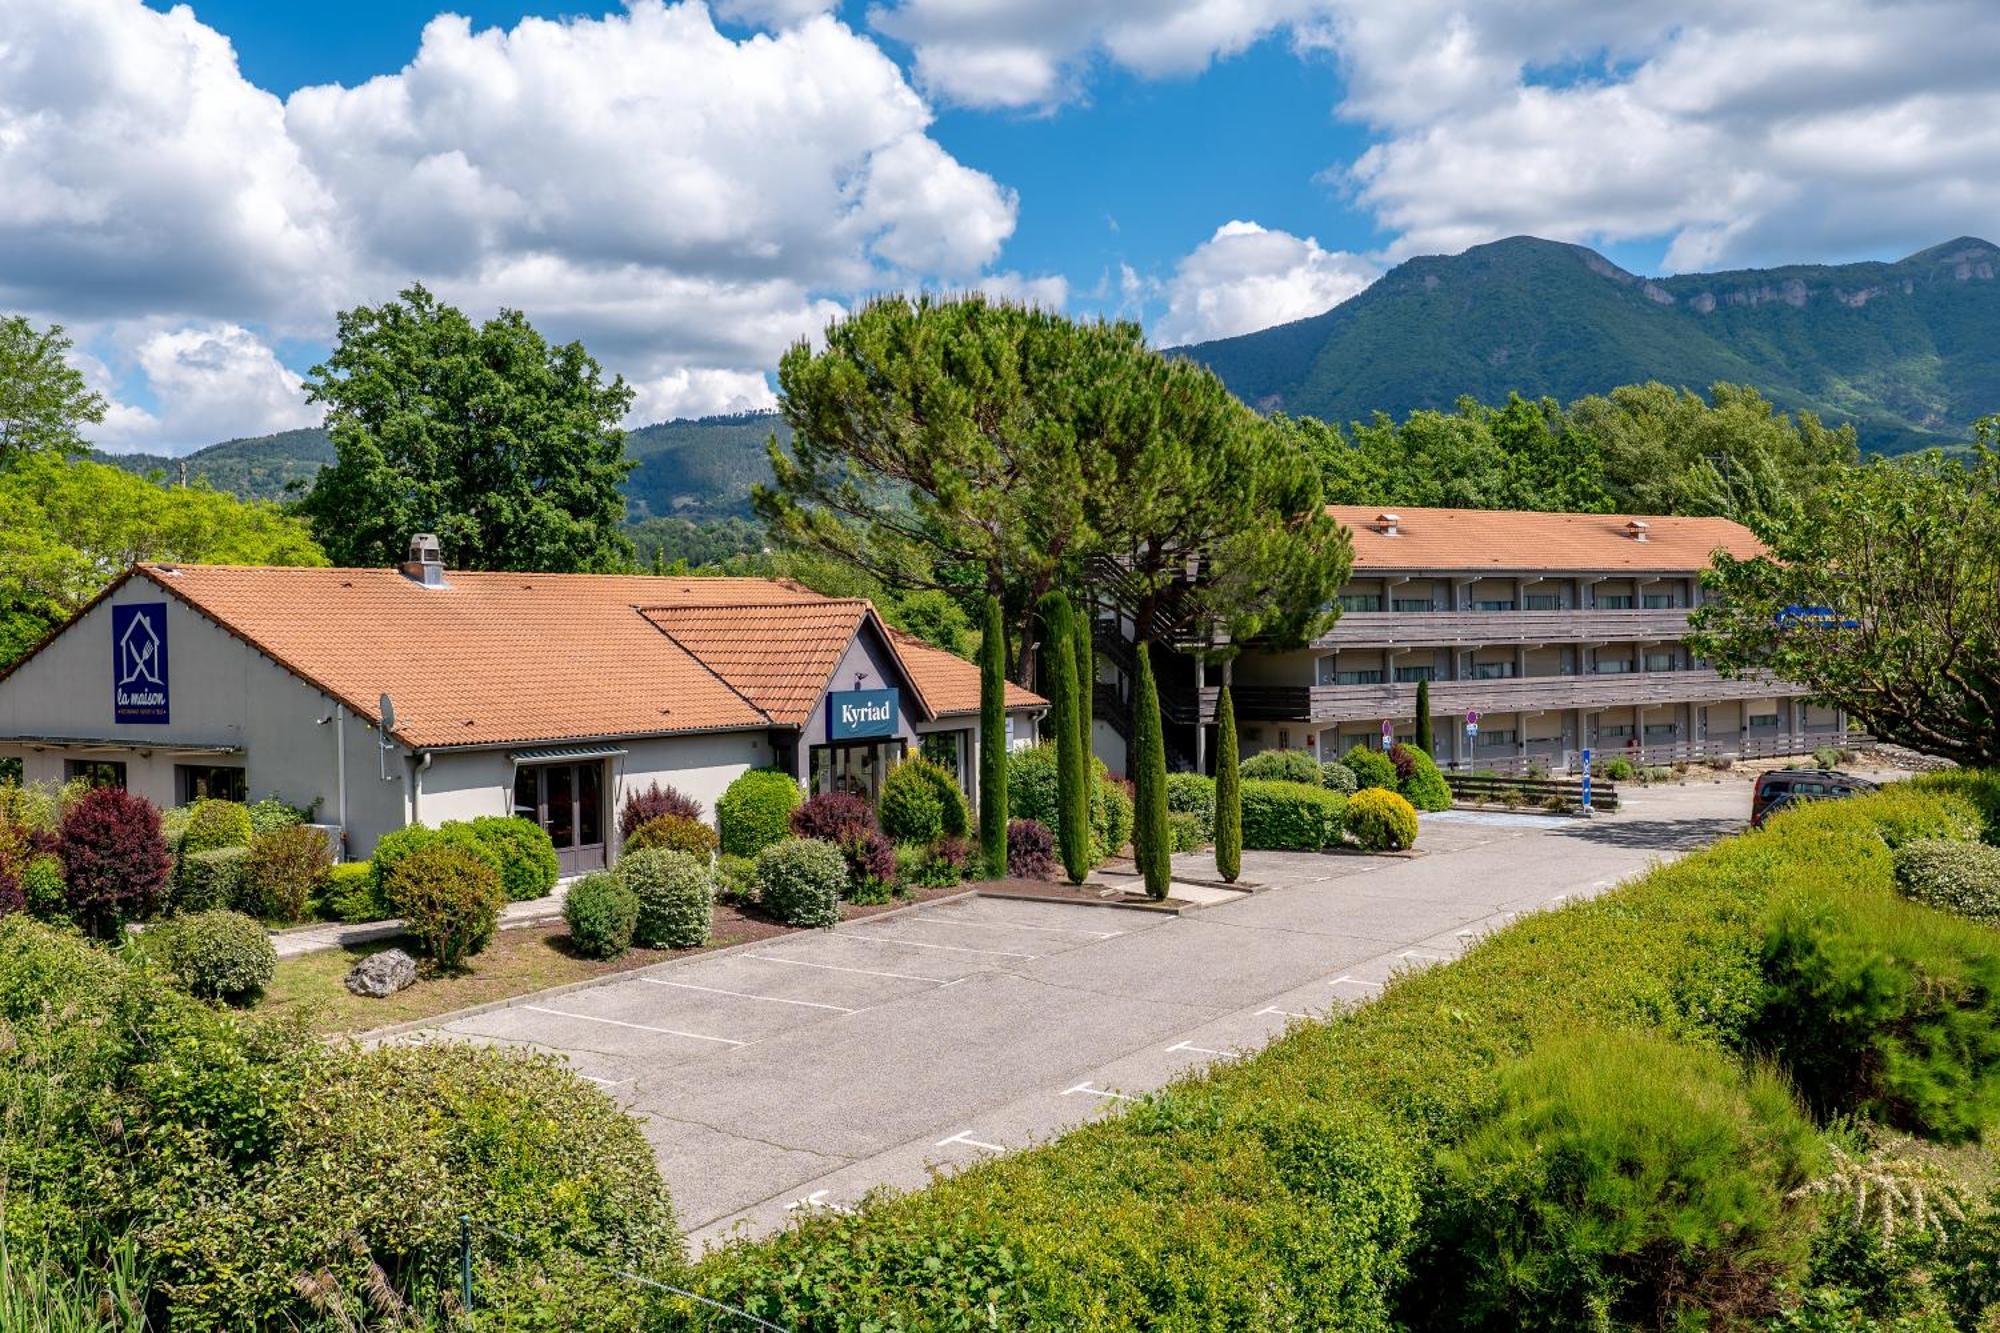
(805, 1070)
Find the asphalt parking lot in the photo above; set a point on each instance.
(805, 1070)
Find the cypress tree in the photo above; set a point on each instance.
(993, 741)
(1152, 844)
(1086, 687)
(1072, 796)
(1424, 737)
(1228, 792)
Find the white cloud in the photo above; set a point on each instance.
(771, 13)
(1247, 277)
(699, 393)
(211, 382)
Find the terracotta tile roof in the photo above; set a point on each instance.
(1478, 539)
(777, 655)
(949, 683)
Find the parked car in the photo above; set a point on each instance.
(1788, 787)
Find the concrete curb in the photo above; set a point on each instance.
(611, 978)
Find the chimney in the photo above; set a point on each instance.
(1636, 529)
(426, 562)
(1386, 524)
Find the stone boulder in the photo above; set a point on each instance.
(383, 974)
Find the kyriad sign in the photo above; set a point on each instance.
(139, 663)
(854, 715)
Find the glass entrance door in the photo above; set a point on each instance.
(567, 800)
(857, 768)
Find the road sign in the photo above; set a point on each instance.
(1388, 733)
(1472, 729)
(1472, 717)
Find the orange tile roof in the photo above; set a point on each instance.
(777, 655)
(1479, 539)
(944, 681)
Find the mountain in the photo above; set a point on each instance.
(1908, 351)
(689, 468)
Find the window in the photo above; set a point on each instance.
(97, 772)
(1284, 738)
(1657, 601)
(1494, 605)
(943, 748)
(1412, 604)
(1763, 722)
(1361, 601)
(1613, 666)
(1493, 740)
(1659, 661)
(214, 782)
(1661, 731)
(1544, 601)
(10, 770)
(1617, 731)
(1615, 601)
(1409, 675)
(1492, 670)
(1358, 677)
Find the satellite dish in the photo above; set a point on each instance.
(388, 712)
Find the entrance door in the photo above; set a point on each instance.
(567, 800)
(857, 767)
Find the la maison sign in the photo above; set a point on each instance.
(139, 663)
(853, 715)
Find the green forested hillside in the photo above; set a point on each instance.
(262, 467)
(1908, 351)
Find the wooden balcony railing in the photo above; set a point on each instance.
(1357, 703)
(1470, 629)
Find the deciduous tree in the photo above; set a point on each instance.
(44, 401)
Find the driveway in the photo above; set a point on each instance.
(809, 1069)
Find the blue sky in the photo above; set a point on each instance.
(196, 192)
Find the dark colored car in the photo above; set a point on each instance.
(1788, 787)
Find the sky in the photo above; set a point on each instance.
(195, 191)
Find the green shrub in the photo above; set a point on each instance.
(1193, 794)
(1979, 789)
(396, 844)
(756, 811)
(1228, 790)
(271, 814)
(1111, 817)
(42, 887)
(1907, 814)
(284, 872)
(1336, 776)
(1281, 766)
(1418, 779)
(941, 865)
(1371, 768)
(1184, 829)
(1830, 756)
(921, 802)
(449, 897)
(674, 833)
(1619, 770)
(736, 878)
(1290, 816)
(526, 856)
(601, 911)
(1622, 1180)
(212, 824)
(1032, 795)
(676, 893)
(1961, 877)
(218, 955)
(353, 895)
(800, 881)
(1379, 820)
(210, 881)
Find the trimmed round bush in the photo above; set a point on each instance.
(921, 802)
(42, 887)
(1418, 779)
(212, 824)
(800, 880)
(115, 865)
(756, 811)
(833, 815)
(212, 880)
(352, 894)
(1184, 828)
(1961, 877)
(1379, 820)
(1623, 1180)
(601, 911)
(271, 814)
(1336, 776)
(219, 955)
(1281, 766)
(1193, 794)
(735, 878)
(643, 807)
(676, 895)
(284, 871)
(1290, 816)
(674, 833)
(527, 857)
(396, 844)
(1371, 768)
(1031, 849)
(449, 897)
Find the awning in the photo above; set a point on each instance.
(556, 754)
(121, 743)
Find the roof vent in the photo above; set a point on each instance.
(1636, 529)
(426, 562)
(1388, 524)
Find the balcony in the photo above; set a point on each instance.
(1533, 694)
(1471, 629)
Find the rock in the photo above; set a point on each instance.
(383, 974)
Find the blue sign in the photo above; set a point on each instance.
(854, 715)
(139, 663)
(1586, 777)
(1824, 617)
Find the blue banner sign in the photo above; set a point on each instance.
(1824, 617)
(1586, 778)
(853, 715)
(139, 663)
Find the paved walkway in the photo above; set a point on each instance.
(812, 1067)
(297, 940)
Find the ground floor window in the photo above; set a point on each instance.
(567, 800)
(1661, 731)
(1494, 740)
(10, 770)
(947, 749)
(1763, 722)
(856, 768)
(211, 782)
(1616, 731)
(97, 772)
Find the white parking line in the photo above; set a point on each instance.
(1419, 953)
(1096, 1092)
(637, 1027)
(604, 1082)
(939, 919)
(1287, 1013)
(1356, 981)
(858, 971)
(965, 1136)
(948, 948)
(745, 995)
(1198, 1050)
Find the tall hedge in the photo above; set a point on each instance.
(756, 811)
(1072, 765)
(1228, 791)
(993, 740)
(1152, 840)
(1425, 740)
